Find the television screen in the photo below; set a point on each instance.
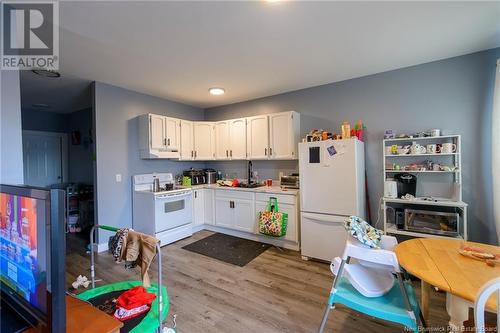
(23, 258)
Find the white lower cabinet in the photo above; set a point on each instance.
(203, 206)
(239, 211)
(243, 213)
(208, 198)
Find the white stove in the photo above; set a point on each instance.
(166, 214)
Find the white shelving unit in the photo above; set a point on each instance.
(455, 190)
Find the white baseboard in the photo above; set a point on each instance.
(258, 238)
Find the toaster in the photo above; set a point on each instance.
(291, 181)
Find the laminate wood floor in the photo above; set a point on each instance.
(276, 292)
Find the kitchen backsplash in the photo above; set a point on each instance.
(265, 169)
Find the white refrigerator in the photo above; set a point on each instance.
(332, 187)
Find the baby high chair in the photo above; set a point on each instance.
(368, 285)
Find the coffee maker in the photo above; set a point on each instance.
(406, 184)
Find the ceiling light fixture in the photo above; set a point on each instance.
(46, 73)
(217, 91)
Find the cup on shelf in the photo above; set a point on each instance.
(448, 148)
(403, 150)
(433, 149)
(435, 132)
(388, 150)
(417, 149)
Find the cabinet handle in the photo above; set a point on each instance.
(192, 154)
(270, 151)
(168, 142)
(195, 154)
(195, 194)
(265, 151)
(231, 204)
(231, 153)
(164, 142)
(227, 155)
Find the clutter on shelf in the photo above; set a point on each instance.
(427, 165)
(346, 133)
(390, 134)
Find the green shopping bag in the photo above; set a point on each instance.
(272, 222)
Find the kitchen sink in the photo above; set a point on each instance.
(252, 185)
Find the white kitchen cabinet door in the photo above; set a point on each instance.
(224, 212)
(291, 210)
(208, 198)
(198, 207)
(258, 137)
(173, 133)
(238, 139)
(282, 139)
(244, 215)
(204, 141)
(186, 142)
(157, 132)
(222, 140)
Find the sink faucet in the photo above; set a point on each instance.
(249, 172)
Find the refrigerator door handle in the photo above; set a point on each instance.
(319, 218)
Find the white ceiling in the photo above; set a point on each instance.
(177, 50)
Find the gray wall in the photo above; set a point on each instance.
(11, 147)
(453, 94)
(38, 120)
(117, 150)
(80, 156)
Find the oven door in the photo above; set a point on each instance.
(172, 211)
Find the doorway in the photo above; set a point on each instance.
(45, 157)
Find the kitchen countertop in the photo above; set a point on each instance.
(262, 189)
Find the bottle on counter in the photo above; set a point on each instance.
(346, 130)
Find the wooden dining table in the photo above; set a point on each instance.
(438, 263)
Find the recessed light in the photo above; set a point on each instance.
(46, 73)
(217, 91)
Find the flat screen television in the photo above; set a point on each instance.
(32, 244)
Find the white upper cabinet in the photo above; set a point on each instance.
(173, 133)
(238, 139)
(258, 137)
(284, 135)
(222, 145)
(159, 136)
(271, 136)
(204, 141)
(187, 140)
(157, 132)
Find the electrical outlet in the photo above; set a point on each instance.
(118, 178)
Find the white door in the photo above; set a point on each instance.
(204, 141)
(244, 215)
(187, 136)
(45, 158)
(322, 236)
(223, 212)
(198, 207)
(173, 133)
(329, 183)
(208, 197)
(257, 137)
(222, 140)
(238, 139)
(157, 132)
(281, 145)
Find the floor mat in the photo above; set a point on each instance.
(230, 249)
